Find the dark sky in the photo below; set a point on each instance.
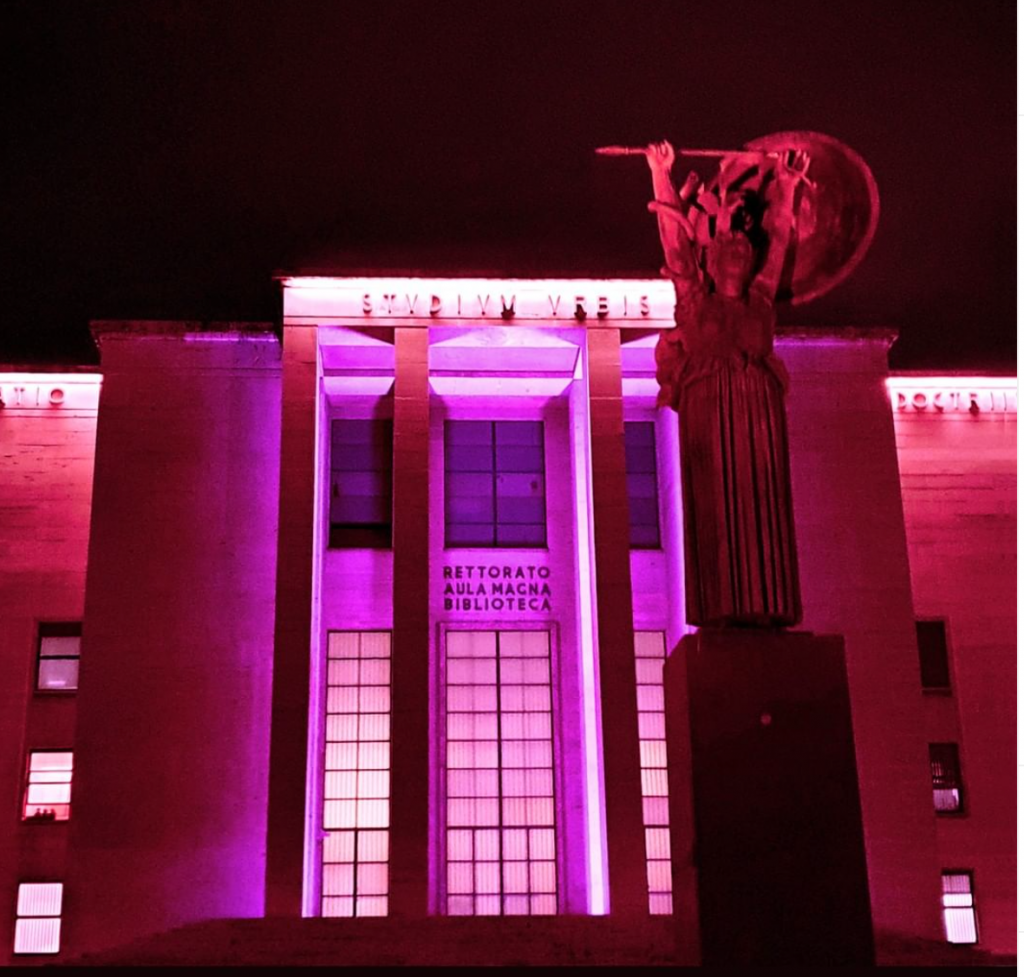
(164, 158)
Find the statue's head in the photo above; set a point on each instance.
(731, 263)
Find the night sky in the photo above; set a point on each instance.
(165, 158)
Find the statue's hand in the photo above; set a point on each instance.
(660, 156)
(791, 169)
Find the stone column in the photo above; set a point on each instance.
(296, 544)
(627, 865)
(170, 799)
(410, 681)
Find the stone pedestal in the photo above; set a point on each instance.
(775, 827)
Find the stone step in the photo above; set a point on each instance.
(437, 941)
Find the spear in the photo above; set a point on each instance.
(639, 151)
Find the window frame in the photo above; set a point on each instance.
(941, 690)
(57, 629)
(367, 535)
(494, 473)
(659, 544)
(957, 783)
(28, 783)
(969, 873)
(59, 916)
(497, 627)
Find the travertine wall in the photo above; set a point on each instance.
(46, 467)
(959, 478)
(855, 580)
(173, 715)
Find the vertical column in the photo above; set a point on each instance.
(620, 732)
(169, 804)
(410, 740)
(286, 815)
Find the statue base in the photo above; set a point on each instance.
(769, 834)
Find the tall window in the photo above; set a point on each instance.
(48, 790)
(947, 784)
(500, 794)
(649, 647)
(958, 913)
(60, 646)
(361, 483)
(494, 483)
(37, 927)
(357, 775)
(933, 655)
(642, 485)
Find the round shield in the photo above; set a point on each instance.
(836, 215)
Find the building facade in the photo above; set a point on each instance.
(367, 617)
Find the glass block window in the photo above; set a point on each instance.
(933, 654)
(500, 793)
(958, 913)
(48, 790)
(357, 775)
(649, 647)
(37, 926)
(494, 484)
(947, 786)
(642, 485)
(361, 466)
(60, 647)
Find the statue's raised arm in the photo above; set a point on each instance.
(779, 222)
(674, 227)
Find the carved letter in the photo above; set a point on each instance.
(602, 307)
(367, 304)
(555, 303)
(435, 304)
(645, 306)
(508, 307)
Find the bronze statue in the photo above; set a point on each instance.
(760, 233)
(724, 251)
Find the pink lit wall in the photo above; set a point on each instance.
(170, 803)
(958, 471)
(47, 440)
(855, 579)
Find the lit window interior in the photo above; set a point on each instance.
(357, 775)
(650, 694)
(500, 774)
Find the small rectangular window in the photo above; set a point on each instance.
(958, 913)
(649, 649)
(933, 654)
(60, 647)
(361, 467)
(947, 785)
(642, 485)
(37, 927)
(494, 484)
(357, 775)
(48, 787)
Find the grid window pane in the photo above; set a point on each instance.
(500, 784)
(37, 927)
(947, 785)
(933, 654)
(958, 913)
(361, 483)
(494, 484)
(649, 649)
(60, 648)
(357, 778)
(642, 484)
(48, 786)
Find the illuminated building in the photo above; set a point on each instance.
(368, 617)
